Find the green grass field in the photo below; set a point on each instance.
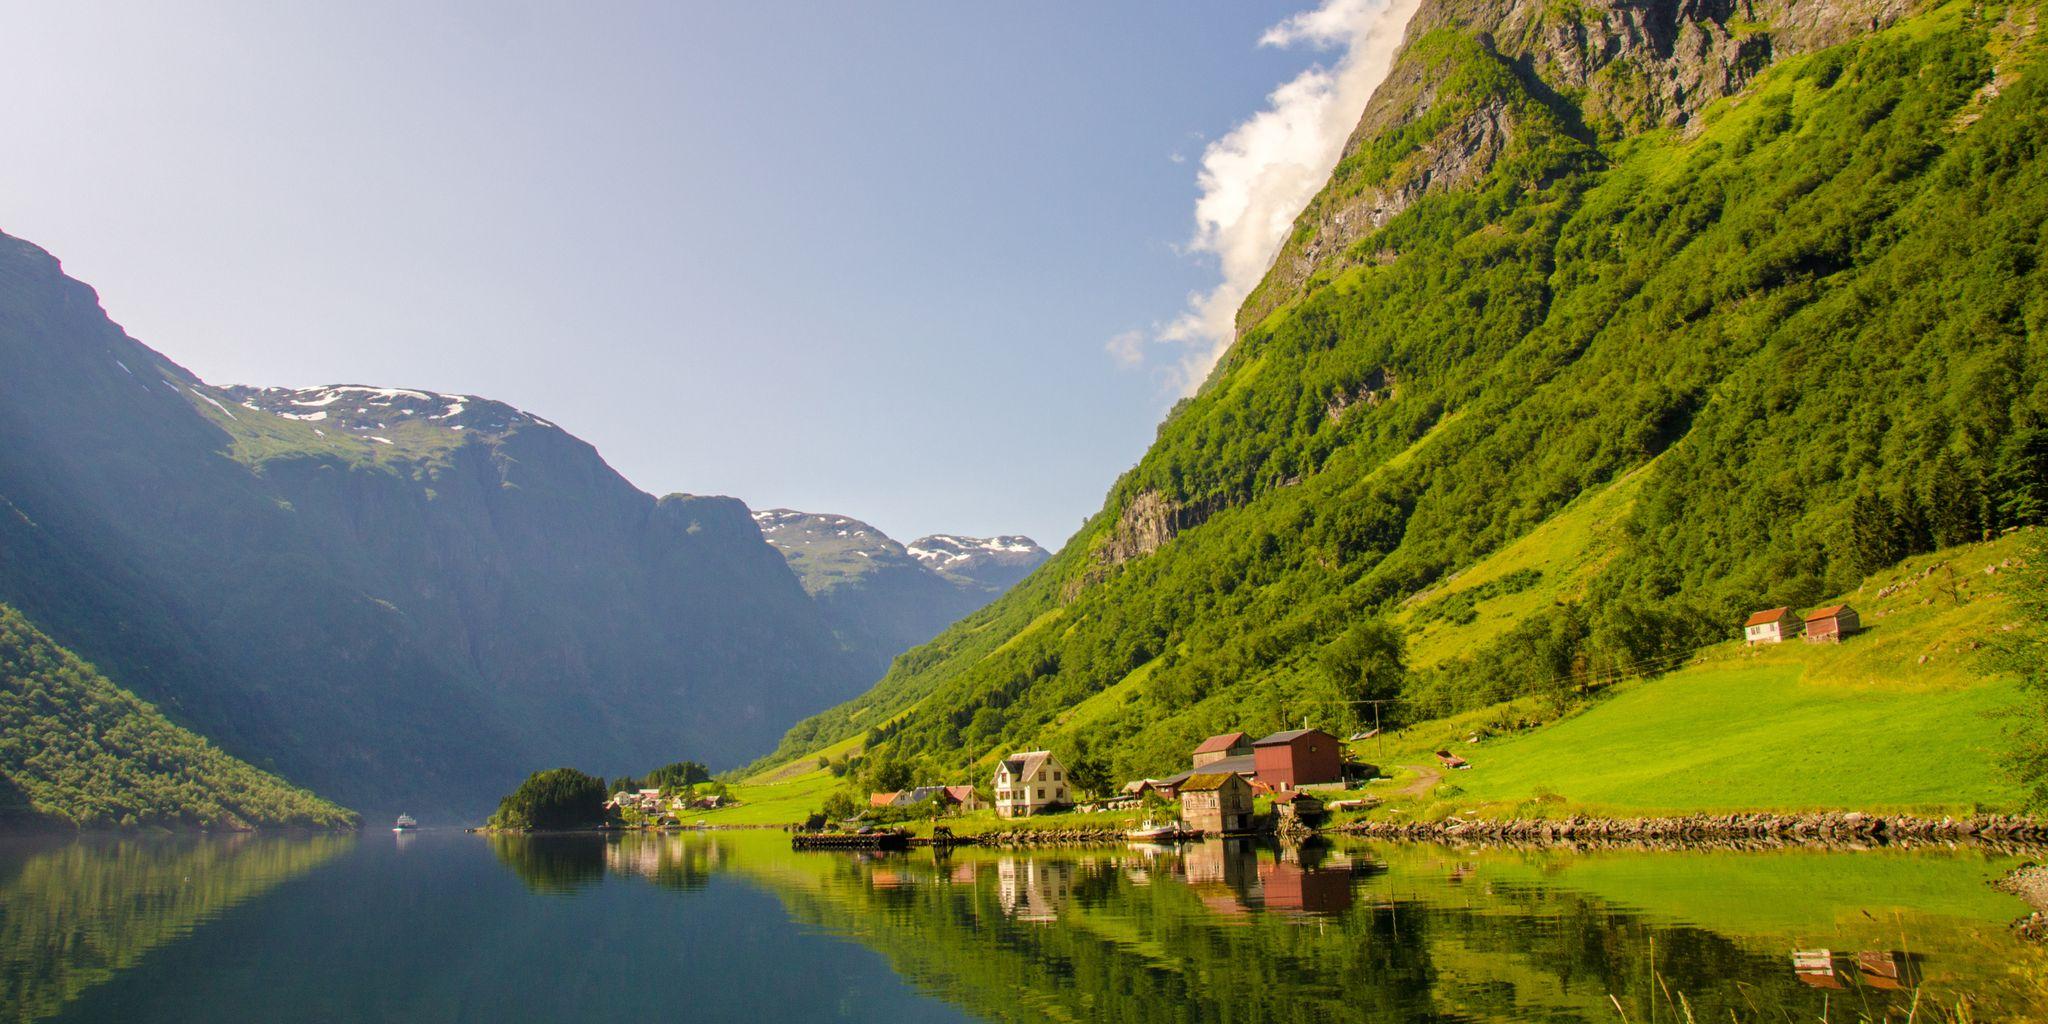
(773, 803)
(1902, 717)
(1758, 738)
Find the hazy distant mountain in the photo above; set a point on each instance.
(996, 563)
(883, 598)
(403, 599)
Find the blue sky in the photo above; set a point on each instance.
(858, 258)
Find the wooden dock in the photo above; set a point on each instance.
(883, 839)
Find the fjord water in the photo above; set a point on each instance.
(737, 927)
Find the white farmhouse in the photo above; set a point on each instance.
(1030, 782)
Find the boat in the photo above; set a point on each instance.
(1171, 832)
(405, 824)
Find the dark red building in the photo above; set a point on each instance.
(1298, 757)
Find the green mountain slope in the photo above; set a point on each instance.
(402, 599)
(77, 750)
(1706, 309)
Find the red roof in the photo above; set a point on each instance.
(1826, 613)
(960, 793)
(881, 799)
(1762, 617)
(1220, 744)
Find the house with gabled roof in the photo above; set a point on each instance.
(1218, 803)
(1029, 783)
(1829, 625)
(1298, 757)
(1216, 748)
(966, 797)
(1770, 626)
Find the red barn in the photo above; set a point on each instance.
(1298, 757)
(1829, 625)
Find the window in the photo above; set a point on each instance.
(1041, 792)
(1055, 776)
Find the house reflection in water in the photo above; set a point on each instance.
(1232, 877)
(1891, 970)
(1030, 889)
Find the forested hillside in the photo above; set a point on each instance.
(401, 599)
(78, 751)
(1717, 308)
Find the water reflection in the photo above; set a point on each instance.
(454, 927)
(554, 864)
(75, 912)
(1242, 930)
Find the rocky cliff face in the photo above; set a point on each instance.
(401, 599)
(883, 598)
(1609, 67)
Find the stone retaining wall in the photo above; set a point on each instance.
(1851, 827)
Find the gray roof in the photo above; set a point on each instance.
(1022, 765)
(1242, 764)
(1287, 737)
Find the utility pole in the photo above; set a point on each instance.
(1378, 734)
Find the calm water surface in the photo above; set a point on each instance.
(736, 927)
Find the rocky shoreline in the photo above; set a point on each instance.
(1021, 838)
(1747, 831)
(2029, 882)
(1777, 829)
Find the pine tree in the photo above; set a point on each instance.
(1875, 533)
(1952, 503)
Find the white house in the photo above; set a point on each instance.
(1769, 627)
(1029, 782)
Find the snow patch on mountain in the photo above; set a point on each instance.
(359, 408)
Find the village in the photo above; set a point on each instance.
(1235, 785)
(1293, 780)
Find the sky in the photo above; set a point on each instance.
(941, 267)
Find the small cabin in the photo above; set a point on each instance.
(1299, 757)
(1219, 803)
(967, 798)
(1829, 625)
(1294, 803)
(1771, 626)
(1216, 748)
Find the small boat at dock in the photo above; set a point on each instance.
(1171, 832)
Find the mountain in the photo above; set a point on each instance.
(882, 598)
(403, 600)
(993, 564)
(1616, 320)
(78, 751)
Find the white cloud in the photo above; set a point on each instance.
(1256, 179)
(1128, 348)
